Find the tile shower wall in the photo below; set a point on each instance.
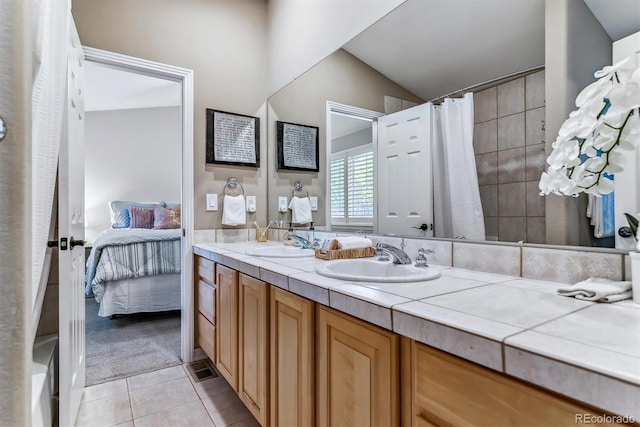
(508, 140)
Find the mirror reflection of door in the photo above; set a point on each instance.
(404, 172)
(361, 189)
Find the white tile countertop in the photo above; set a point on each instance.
(521, 327)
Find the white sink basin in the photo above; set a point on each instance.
(371, 270)
(281, 252)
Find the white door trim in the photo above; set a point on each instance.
(348, 110)
(185, 77)
(626, 182)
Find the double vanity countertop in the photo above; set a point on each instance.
(521, 327)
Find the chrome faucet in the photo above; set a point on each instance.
(304, 243)
(421, 259)
(398, 255)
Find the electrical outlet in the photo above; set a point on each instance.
(251, 204)
(283, 204)
(313, 201)
(212, 202)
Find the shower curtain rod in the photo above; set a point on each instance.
(491, 82)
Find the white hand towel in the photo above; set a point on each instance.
(300, 210)
(599, 290)
(234, 210)
(353, 242)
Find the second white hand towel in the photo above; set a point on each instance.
(300, 210)
(597, 289)
(234, 210)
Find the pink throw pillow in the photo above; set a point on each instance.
(166, 217)
(141, 217)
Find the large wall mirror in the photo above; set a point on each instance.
(421, 52)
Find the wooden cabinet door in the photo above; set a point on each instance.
(253, 340)
(449, 391)
(292, 360)
(357, 372)
(227, 324)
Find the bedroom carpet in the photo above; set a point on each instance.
(129, 345)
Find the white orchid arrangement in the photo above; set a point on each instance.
(590, 142)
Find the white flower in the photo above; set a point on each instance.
(608, 71)
(595, 164)
(597, 90)
(589, 141)
(557, 182)
(625, 97)
(564, 153)
(604, 186)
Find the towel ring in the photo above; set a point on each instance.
(232, 187)
(298, 187)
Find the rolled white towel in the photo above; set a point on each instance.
(598, 289)
(353, 242)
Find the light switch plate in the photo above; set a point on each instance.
(313, 201)
(251, 204)
(282, 204)
(212, 202)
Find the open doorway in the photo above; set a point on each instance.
(138, 186)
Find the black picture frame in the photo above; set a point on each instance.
(227, 142)
(300, 152)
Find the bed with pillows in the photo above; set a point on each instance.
(135, 265)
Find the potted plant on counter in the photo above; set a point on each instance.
(634, 256)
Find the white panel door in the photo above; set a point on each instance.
(627, 194)
(404, 172)
(71, 233)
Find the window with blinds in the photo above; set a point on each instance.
(352, 192)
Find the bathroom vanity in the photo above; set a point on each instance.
(466, 348)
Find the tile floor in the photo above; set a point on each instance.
(168, 397)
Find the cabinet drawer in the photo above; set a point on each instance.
(206, 336)
(207, 301)
(206, 270)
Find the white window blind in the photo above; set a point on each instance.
(352, 192)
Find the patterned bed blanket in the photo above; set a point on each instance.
(129, 253)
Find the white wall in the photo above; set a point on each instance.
(130, 155)
(352, 140)
(303, 32)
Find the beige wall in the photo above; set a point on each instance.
(576, 46)
(224, 42)
(341, 78)
(303, 32)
